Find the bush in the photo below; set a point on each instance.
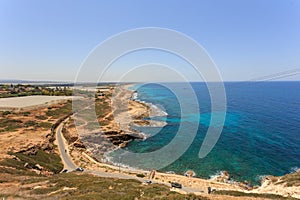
(140, 175)
(6, 113)
(45, 125)
(30, 123)
(26, 114)
(41, 117)
(60, 112)
(10, 124)
(50, 161)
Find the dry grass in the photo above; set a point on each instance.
(254, 195)
(290, 179)
(91, 187)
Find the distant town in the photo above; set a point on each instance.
(11, 90)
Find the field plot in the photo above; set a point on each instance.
(30, 102)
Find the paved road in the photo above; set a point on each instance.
(70, 166)
(67, 161)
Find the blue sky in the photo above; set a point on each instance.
(48, 40)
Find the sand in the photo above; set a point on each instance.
(30, 102)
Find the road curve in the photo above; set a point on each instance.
(70, 166)
(67, 161)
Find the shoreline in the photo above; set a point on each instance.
(149, 108)
(117, 124)
(154, 110)
(195, 182)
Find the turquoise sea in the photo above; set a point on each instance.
(261, 134)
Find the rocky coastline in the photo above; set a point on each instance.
(126, 111)
(114, 127)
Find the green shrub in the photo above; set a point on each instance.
(60, 112)
(255, 195)
(45, 125)
(26, 114)
(49, 161)
(30, 123)
(140, 175)
(6, 113)
(10, 125)
(41, 117)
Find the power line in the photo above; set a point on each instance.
(278, 75)
(282, 76)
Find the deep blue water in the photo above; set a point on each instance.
(261, 134)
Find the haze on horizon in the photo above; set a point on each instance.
(246, 39)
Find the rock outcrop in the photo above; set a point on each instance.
(222, 177)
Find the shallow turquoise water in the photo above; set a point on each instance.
(261, 134)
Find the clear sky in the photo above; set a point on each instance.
(48, 40)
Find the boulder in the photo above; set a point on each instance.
(38, 167)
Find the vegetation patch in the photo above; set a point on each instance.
(140, 175)
(240, 194)
(20, 90)
(102, 108)
(26, 114)
(6, 113)
(30, 123)
(41, 117)
(60, 112)
(46, 125)
(92, 187)
(49, 161)
(10, 125)
(7, 166)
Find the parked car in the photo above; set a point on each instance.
(79, 169)
(65, 171)
(176, 185)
